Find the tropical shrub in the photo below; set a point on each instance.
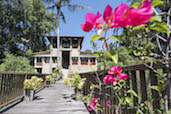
(33, 83)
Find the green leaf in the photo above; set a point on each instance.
(115, 37)
(101, 38)
(135, 5)
(136, 52)
(135, 32)
(113, 56)
(138, 27)
(156, 18)
(155, 88)
(169, 111)
(130, 51)
(157, 2)
(114, 83)
(128, 100)
(95, 37)
(132, 92)
(162, 27)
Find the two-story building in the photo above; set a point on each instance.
(71, 57)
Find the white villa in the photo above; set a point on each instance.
(71, 56)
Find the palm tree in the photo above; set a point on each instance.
(58, 4)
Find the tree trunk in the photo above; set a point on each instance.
(58, 37)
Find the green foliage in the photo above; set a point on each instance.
(24, 24)
(113, 56)
(157, 2)
(95, 37)
(49, 78)
(132, 92)
(16, 64)
(34, 83)
(161, 27)
(76, 81)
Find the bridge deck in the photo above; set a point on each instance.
(53, 100)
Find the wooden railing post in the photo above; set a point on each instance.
(143, 86)
(155, 95)
(134, 86)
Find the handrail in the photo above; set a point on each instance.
(12, 85)
(139, 79)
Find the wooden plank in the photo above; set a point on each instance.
(143, 86)
(168, 91)
(155, 95)
(134, 87)
(1, 79)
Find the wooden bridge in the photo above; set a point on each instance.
(57, 99)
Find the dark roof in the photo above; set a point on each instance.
(42, 52)
(80, 37)
(84, 52)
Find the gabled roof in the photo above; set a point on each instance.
(87, 53)
(42, 52)
(80, 37)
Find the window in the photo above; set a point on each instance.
(84, 61)
(65, 43)
(46, 59)
(54, 43)
(92, 61)
(39, 70)
(74, 43)
(74, 60)
(54, 59)
(39, 59)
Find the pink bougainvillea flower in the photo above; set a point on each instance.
(123, 76)
(108, 79)
(115, 69)
(92, 21)
(89, 108)
(108, 103)
(124, 15)
(141, 15)
(121, 15)
(94, 100)
(108, 16)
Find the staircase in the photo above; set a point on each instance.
(65, 72)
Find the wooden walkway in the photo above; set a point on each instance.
(53, 100)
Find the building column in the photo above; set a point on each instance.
(35, 61)
(79, 44)
(70, 43)
(88, 61)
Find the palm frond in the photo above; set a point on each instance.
(73, 7)
(62, 16)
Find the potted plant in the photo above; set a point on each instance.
(49, 79)
(30, 85)
(77, 82)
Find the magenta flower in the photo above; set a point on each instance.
(92, 21)
(94, 100)
(115, 69)
(123, 76)
(89, 108)
(108, 103)
(121, 15)
(108, 79)
(108, 16)
(124, 15)
(92, 104)
(141, 15)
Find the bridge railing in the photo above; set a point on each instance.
(12, 86)
(141, 78)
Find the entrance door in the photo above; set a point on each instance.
(65, 59)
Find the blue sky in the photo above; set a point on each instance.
(75, 18)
